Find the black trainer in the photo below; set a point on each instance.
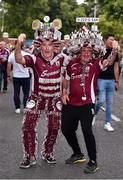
(76, 158)
(27, 162)
(91, 167)
(50, 159)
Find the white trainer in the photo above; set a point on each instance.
(108, 127)
(17, 111)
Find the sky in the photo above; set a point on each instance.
(80, 1)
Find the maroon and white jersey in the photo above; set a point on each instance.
(4, 53)
(83, 81)
(47, 75)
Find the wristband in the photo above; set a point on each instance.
(116, 81)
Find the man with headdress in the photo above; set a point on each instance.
(45, 96)
(78, 102)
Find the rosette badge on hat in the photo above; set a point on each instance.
(36, 24)
(57, 23)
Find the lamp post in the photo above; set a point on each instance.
(94, 27)
(2, 28)
(2, 15)
(93, 19)
(95, 8)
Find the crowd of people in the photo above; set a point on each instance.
(67, 79)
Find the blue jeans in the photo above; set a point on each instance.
(106, 90)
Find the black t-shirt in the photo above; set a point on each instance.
(109, 72)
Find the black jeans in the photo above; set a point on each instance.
(5, 82)
(0, 76)
(25, 84)
(71, 115)
(3, 78)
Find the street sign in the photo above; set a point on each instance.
(87, 19)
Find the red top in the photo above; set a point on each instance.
(83, 81)
(4, 53)
(47, 76)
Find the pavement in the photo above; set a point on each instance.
(109, 146)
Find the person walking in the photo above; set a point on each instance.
(108, 82)
(21, 79)
(4, 53)
(45, 96)
(78, 97)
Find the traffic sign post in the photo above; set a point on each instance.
(87, 19)
(93, 20)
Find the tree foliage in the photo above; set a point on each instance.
(111, 17)
(19, 15)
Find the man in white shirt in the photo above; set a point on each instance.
(21, 78)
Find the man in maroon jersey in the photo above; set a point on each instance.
(82, 74)
(45, 96)
(4, 53)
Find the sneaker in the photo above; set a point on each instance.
(17, 111)
(91, 167)
(50, 159)
(76, 158)
(108, 127)
(27, 162)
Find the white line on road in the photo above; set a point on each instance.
(115, 118)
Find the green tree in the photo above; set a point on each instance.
(110, 14)
(21, 13)
(111, 17)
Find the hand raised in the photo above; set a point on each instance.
(115, 44)
(21, 38)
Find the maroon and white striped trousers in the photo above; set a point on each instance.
(52, 109)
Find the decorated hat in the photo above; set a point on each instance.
(47, 30)
(87, 38)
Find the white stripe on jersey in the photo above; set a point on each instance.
(50, 95)
(55, 87)
(93, 97)
(52, 81)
